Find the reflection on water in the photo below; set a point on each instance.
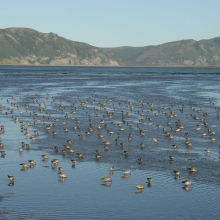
(149, 103)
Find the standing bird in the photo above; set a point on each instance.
(139, 186)
(11, 178)
(107, 178)
(126, 171)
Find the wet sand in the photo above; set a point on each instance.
(88, 96)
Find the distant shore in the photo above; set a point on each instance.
(162, 66)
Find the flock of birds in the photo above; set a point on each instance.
(39, 116)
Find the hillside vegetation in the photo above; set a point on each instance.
(185, 52)
(27, 46)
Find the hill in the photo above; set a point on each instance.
(27, 46)
(185, 52)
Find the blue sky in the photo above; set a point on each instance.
(116, 23)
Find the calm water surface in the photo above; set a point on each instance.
(39, 193)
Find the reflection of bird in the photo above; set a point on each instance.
(187, 188)
(106, 184)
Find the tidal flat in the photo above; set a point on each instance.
(150, 121)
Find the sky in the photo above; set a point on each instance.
(115, 23)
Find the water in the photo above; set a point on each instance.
(38, 193)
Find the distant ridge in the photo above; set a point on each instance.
(184, 52)
(27, 46)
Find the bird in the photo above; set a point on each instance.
(187, 182)
(55, 161)
(192, 169)
(149, 180)
(126, 171)
(175, 146)
(32, 162)
(80, 155)
(98, 156)
(171, 158)
(62, 175)
(140, 159)
(111, 168)
(139, 186)
(11, 178)
(60, 169)
(176, 172)
(45, 156)
(126, 153)
(25, 165)
(73, 161)
(107, 178)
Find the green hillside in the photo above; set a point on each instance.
(185, 52)
(27, 46)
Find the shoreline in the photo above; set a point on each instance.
(162, 66)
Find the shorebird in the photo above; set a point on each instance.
(139, 186)
(176, 172)
(126, 171)
(55, 161)
(107, 178)
(171, 158)
(139, 159)
(175, 146)
(60, 169)
(126, 153)
(32, 162)
(25, 165)
(11, 178)
(45, 156)
(187, 182)
(62, 175)
(192, 169)
(80, 155)
(149, 180)
(73, 161)
(98, 156)
(2, 152)
(111, 168)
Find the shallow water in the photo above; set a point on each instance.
(38, 193)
